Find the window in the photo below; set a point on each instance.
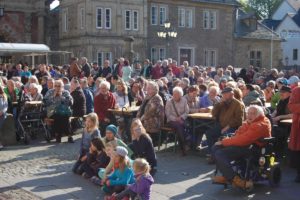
(127, 20)
(154, 57)
(295, 54)
(210, 19)
(65, 20)
(107, 18)
(135, 20)
(102, 56)
(255, 58)
(162, 15)
(82, 18)
(185, 17)
(162, 53)
(210, 57)
(99, 18)
(154, 15)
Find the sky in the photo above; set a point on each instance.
(54, 4)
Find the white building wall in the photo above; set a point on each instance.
(291, 33)
(283, 9)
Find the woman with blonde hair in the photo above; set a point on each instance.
(3, 108)
(142, 145)
(121, 94)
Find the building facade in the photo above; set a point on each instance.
(206, 32)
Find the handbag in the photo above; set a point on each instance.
(63, 110)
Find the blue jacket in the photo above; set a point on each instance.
(122, 178)
(86, 141)
(206, 102)
(89, 98)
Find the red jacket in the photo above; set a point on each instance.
(157, 72)
(250, 133)
(102, 104)
(294, 107)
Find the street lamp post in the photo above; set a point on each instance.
(167, 33)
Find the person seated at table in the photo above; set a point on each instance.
(12, 94)
(256, 127)
(269, 91)
(281, 131)
(79, 104)
(103, 101)
(111, 134)
(229, 115)
(121, 95)
(34, 94)
(136, 94)
(176, 111)
(209, 99)
(141, 145)
(193, 99)
(250, 95)
(58, 103)
(151, 112)
(3, 108)
(276, 97)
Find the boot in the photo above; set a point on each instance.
(219, 180)
(241, 183)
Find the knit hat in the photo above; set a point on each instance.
(121, 151)
(285, 89)
(112, 128)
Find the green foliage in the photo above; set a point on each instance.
(262, 8)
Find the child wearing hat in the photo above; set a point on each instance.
(122, 174)
(111, 134)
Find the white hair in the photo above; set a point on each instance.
(165, 62)
(217, 89)
(179, 90)
(105, 83)
(154, 85)
(259, 110)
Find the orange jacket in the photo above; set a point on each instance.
(250, 133)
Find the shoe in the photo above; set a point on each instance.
(96, 180)
(219, 180)
(210, 160)
(70, 139)
(240, 183)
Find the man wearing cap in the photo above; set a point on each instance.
(293, 81)
(229, 115)
(276, 97)
(280, 132)
(250, 96)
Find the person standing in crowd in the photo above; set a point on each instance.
(146, 71)
(126, 71)
(96, 70)
(210, 99)
(294, 144)
(103, 101)
(250, 96)
(176, 112)
(74, 70)
(3, 108)
(156, 72)
(151, 112)
(89, 97)
(42, 72)
(58, 102)
(86, 68)
(106, 70)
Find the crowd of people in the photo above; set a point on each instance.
(246, 104)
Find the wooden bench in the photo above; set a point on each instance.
(169, 131)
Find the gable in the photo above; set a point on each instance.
(282, 10)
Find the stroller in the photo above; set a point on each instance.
(30, 120)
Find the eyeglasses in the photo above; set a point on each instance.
(58, 86)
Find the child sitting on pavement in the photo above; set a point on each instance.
(122, 174)
(141, 188)
(90, 132)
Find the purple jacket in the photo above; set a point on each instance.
(142, 186)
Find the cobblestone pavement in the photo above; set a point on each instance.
(43, 170)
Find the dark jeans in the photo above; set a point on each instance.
(77, 167)
(125, 193)
(281, 134)
(225, 155)
(213, 135)
(113, 189)
(61, 125)
(179, 129)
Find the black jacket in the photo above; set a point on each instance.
(79, 105)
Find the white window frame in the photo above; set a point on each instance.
(210, 19)
(162, 17)
(135, 21)
(104, 57)
(162, 53)
(82, 18)
(65, 20)
(101, 20)
(128, 28)
(154, 54)
(189, 18)
(255, 59)
(181, 17)
(105, 18)
(208, 53)
(155, 15)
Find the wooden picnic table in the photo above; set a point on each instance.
(287, 121)
(33, 102)
(201, 116)
(125, 111)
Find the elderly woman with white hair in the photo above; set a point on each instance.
(35, 95)
(177, 110)
(256, 127)
(103, 101)
(58, 103)
(151, 111)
